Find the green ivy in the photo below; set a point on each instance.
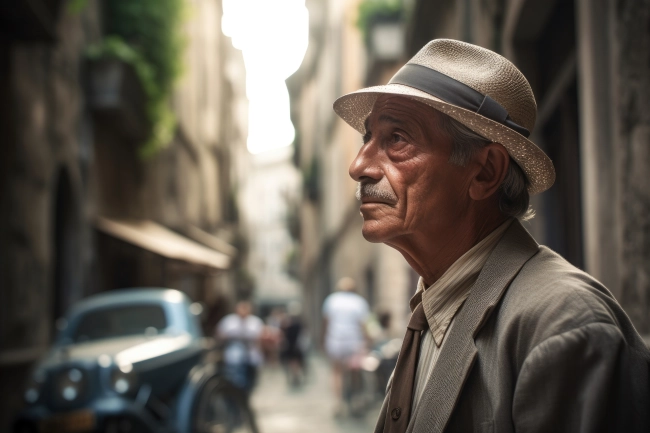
(371, 11)
(147, 34)
(77, 6)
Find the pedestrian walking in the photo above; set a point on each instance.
(271, 338)
(293, 352)
(239, 334)
(344, 339)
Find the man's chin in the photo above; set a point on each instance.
(375, 233)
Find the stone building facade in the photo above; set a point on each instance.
(79, 204)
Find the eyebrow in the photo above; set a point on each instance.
(390, 119)
(384, 118)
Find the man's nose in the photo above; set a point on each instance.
(366, 164)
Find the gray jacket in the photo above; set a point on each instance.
(538, 346)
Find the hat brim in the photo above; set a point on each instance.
(355, 107)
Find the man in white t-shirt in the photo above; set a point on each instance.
(240, 334)
(344, 315)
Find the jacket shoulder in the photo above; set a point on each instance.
(549, 296)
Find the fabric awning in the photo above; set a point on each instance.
(211, 241)
(160, 240)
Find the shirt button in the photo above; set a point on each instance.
(395, 413)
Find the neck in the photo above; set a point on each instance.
(431, 254)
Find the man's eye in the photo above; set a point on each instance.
(366, 137)
(396, 138)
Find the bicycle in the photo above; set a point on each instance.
(223, 408)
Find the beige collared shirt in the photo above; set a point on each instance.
(442, 300)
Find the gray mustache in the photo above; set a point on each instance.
(380, 190)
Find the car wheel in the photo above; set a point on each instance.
(222, 408)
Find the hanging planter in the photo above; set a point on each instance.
(380, 22)
(147, 35)
(117, 98)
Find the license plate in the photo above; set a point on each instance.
(73, 422)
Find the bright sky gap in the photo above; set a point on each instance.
(273, 37)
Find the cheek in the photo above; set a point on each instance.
(419, 188)
(432, 196)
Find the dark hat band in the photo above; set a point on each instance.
(454, 92)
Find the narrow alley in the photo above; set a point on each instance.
(280, 409)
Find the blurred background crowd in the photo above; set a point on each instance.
(191, 144)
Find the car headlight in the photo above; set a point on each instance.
(34, 385)
(123, 379)
(71, 384)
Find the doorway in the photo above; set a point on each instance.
(545, 49)
(66, 247)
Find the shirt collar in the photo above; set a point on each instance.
(442, 300)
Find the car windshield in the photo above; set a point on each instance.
(120, 321)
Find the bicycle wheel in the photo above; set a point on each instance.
(357, 392)
(222, 408)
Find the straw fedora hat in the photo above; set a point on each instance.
(478, 87)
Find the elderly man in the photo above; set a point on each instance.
(505, 335)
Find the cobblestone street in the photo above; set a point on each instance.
(280, 409)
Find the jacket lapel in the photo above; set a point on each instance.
(381, 420)
(458, 353)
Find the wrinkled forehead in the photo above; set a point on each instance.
(403, 110)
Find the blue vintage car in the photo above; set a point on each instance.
(132, 361)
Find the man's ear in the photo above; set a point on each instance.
(492, 163)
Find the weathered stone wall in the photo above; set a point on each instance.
(47, 102)
(44, 157)
(633, 115)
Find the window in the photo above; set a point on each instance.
(119, 322)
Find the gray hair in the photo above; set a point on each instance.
(514, 200)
